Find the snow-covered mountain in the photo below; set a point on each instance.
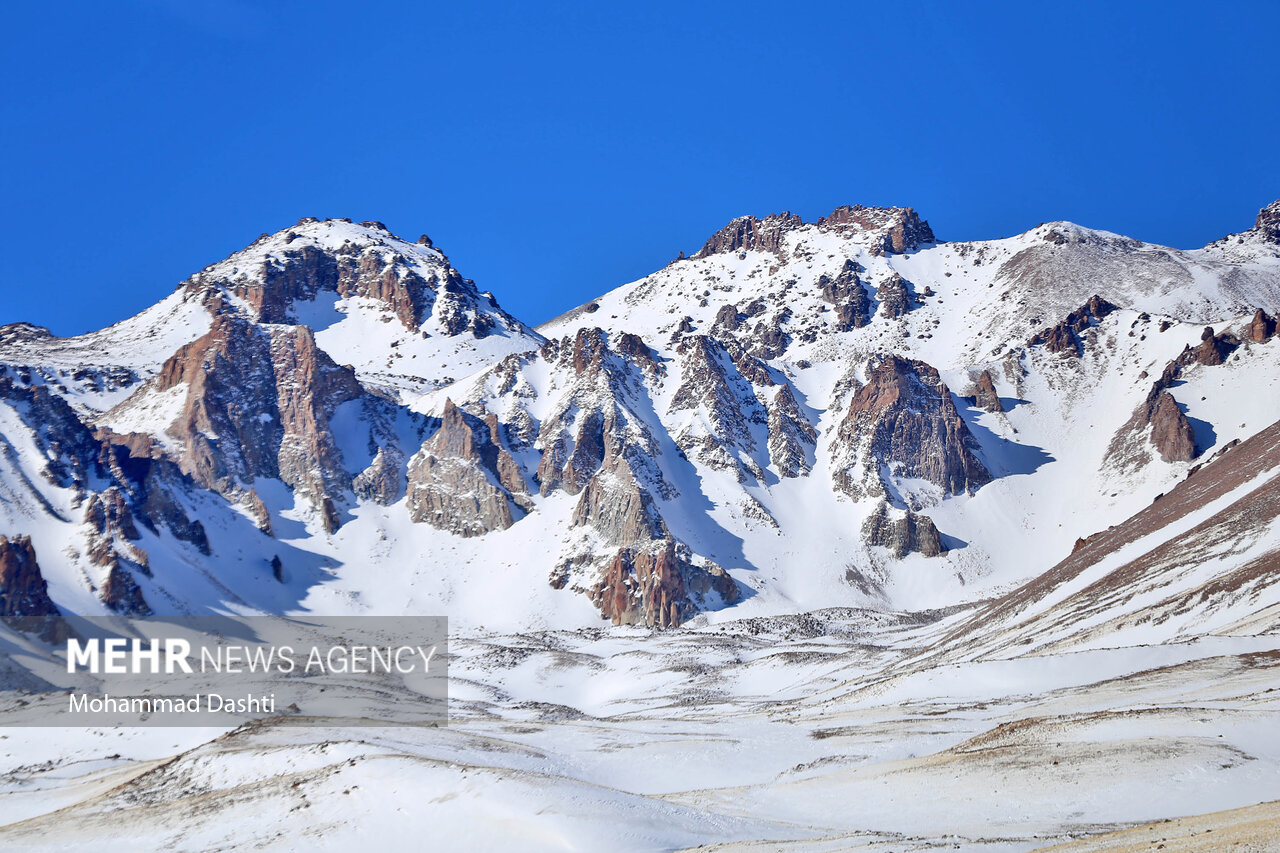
(848, 412)
(968, 545)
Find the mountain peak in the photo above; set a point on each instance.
(1268, 222)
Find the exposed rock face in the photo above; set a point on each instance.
(846, 293)
(657, 586)
(590, 421)
(791, 436)
(1064, 338)
(902, 533)
(1268, 222)
(903, 424)
(258, 404)
(306, 262)
(149, 483)
(895, 296)
(309, 388)
(112, 532)
(381, 482)
(68, 448)
(1171, 433)
(120, 592)
(258, 511)
(11, 333)
(453, 481)
(618, 507)
(898, 229)
(710, 381)
(748, 234)
(1212, 351)
(728, 319)
(986, 397)
(1263, 325)
(633, 348)
(25, 604)
(904, 229)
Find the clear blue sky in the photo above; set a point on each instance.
(557, 150)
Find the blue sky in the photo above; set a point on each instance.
(558, 150)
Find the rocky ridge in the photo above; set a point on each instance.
(780, 402)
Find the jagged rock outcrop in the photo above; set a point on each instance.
(903, 228)
(711, 382)
(258, 403)
(230, 429)
(791, 436)
(749, 234)
(150, 484)
(1212, 350)
(903, 424)
(1065, 337)
(25, 604)
(258, 511)
(902, 532)
(453, 482)
(590, 420)
(894, 295)
(657, 586)
(68, 447)
(1171, 432)
(382, 482)
(985, 395)
(633, 348)
(414, 282)
(846, 293)
(898, 229)
(618, 507)
(1262, 326)
(728, 319)
(110, 541)
(121, 593)
(1267, 224)
(309, 388)
(112, 531)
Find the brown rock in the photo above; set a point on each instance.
(748, 234)
(25, 604)
(1171, 432)
(903, 229)
(652, 586)
(728, 319)
(846, 293)
(258, 511)
(120, 592)
(1064, 338)
(1268, 222)
(711, 382)
(791, 436)
(895, 297)
(986, 397)
(1212, 351)
(1261, 327)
